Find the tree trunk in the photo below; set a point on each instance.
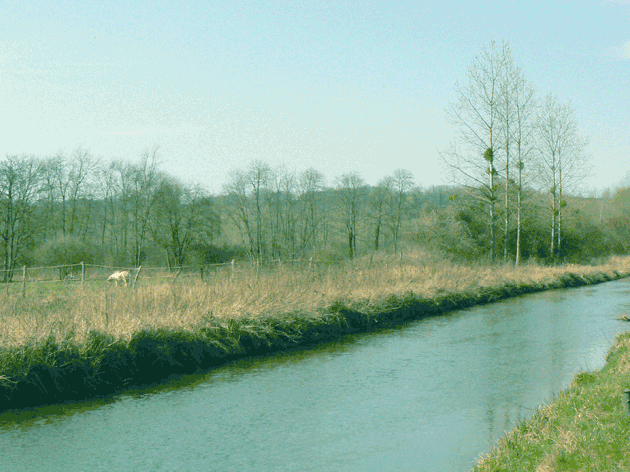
(559, 207)
(518, 213)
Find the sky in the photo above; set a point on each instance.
(336, 86)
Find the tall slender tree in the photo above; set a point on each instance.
(239, 207)
(476, 115)
(522, 135)
(259, 175)
(80, 170)
(402, 182)
(381, 197)
(145, 181)
(562, 159)
(311, 183)
(350, 187)
(507, 112)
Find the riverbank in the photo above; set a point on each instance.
(584, 428)
(73, 344)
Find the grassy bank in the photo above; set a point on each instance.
(585, 428)
(73, 342)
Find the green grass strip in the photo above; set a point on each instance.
(584, 428)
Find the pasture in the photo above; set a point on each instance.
(188, 299)
(75, 339)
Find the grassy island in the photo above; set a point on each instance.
(71, 342)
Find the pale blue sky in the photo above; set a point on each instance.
(338, 86)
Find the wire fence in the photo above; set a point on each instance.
(92, 273)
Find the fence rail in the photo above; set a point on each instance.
(82, 272)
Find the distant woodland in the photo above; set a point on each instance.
(66, 209)
(515, 168)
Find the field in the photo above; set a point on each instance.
(69, 341)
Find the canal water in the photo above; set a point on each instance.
(430, 396)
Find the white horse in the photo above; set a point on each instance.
(119, 275)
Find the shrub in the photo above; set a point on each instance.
(66, 250)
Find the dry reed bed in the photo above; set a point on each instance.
(75, 342)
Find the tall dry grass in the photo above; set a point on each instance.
(74, 310)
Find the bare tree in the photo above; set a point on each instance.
(49, 174)
(237, 190)
(351, 187)
(144, 183)
(561, 152)
(287, 189)
(19, 184)
(259, 175)
(121, 204)
(311, 183)
(183, 216)
(57, 167)
(402, 182)
(507, 112)
(381, 198)
(80, 169)
(71, 181)
(273, 201)
(283, 212)
(248, 194)
(106, 181)
(522, 136)
(476, 115)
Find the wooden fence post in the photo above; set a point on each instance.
(133, 285)
(82, 273)
(24, 282)
(179, 271)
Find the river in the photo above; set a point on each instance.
(429, 396)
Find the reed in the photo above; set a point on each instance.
(72, 342)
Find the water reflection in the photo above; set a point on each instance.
(430, 396)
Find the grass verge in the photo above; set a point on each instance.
(584, 428)
(71, 344)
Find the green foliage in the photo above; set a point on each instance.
(584, 242)
(449, 233)
(618, 230)
(183, 217)
(67, 250)
(331, 252)
(201, 253)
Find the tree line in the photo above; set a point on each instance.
(282, 214)
(65, 209)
